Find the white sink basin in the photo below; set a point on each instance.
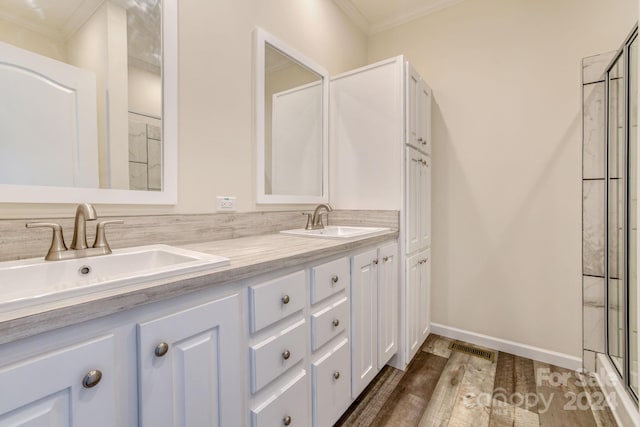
(336, 232)
(35, 281)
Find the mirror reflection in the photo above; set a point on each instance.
(81, 94)
(293, 126)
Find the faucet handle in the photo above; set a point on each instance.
(308, 226)
(57, 240)
(101, 237)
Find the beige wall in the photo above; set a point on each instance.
(217, 154)
(506, 203)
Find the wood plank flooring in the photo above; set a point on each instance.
(449, 388)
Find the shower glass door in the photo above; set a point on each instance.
(622, 189)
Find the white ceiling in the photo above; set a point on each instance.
(374, 16)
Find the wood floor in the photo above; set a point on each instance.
(450, 388)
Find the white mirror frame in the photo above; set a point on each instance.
(169, 194)
(261, 38)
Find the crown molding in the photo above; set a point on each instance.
(354, 14)
(358, 18)
(398, 20)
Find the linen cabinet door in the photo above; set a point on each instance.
(73, 386)
(190, 367)
(424, 116)
(413, 267)
(424, 215)
(387, 303)
(414, 175)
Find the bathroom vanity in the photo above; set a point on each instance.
(288, 333)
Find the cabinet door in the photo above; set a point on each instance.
(413, 267)
(424, 211)
(198, 381)
(411, 109)
(424, 319)
(50, 390)
(423, 100)
(364, 335)
(387, 303)
(413, 190)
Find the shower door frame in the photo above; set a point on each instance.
(626, 365)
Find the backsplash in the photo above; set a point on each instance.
(18, 242)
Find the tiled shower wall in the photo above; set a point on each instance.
(593, 206)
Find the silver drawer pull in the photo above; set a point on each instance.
(336, 322)
(286, 354)
(334, 279)
(92, 378)
(286, 299)
(336, 375)
(161, 349)
(286, 420)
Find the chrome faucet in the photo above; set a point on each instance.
(79, 247)
(314, 221)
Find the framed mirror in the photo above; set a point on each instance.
(88, 101)
(291, 119)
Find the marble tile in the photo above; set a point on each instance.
(593, 67)
(137, 142)
(137, 176)
(593, 227)
(154, 132)
(593, 128)
(155, 164)
(593, 313)
(589, 361)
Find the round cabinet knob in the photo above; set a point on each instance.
(419, 139)
(286, 354)
(286, 299)
(336, 375)
(286, 420)
(334, 279)
(336, 322)
(385, 259)
(375, 261)
(161, 349)
(92, 378)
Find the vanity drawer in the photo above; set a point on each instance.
(332, 385)
(329, 278)
(277, 354)
(288, 407)
(328, 323)
(276, 299)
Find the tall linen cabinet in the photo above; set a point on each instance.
(380, 159)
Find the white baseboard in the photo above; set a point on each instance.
(519, 349)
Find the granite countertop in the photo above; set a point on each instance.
(249, 256)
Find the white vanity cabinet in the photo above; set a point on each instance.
(71, 386)
(188, 369)
(374, 313)
(277, 349)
